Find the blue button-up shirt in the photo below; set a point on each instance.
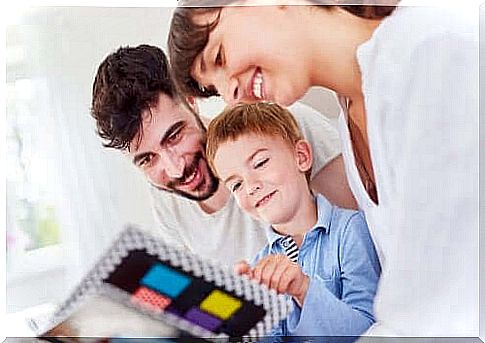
(339, 257)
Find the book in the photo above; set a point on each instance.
(141, 287)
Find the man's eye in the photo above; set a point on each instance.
(174, 136)
(145, 161)
(261, 163)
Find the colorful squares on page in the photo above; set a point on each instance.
(243, 320)
(203, 319)
(192, 296)
(165, 280)
(220, 304)
(151, 299)
(132, 268)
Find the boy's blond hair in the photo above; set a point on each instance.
(262, 118)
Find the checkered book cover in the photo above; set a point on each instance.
(195, 296)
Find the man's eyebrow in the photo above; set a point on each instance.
(163, 141)
(176, 126)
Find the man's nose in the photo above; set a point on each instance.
(173, 164)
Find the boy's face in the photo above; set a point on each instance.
(266, 175)
(251, 55)
(171, 152)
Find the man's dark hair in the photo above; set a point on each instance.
(128, 82)
(187, 39)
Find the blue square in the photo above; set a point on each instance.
(165, 280)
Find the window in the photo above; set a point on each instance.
(33, 231)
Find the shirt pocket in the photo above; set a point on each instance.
(331, 280)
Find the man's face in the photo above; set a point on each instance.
(170, 150)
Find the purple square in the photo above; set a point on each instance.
(203, 319)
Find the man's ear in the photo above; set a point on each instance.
(304, 155)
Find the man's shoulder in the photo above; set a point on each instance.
(308, 117)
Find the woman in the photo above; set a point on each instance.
(407, 82)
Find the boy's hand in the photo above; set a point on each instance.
(242, 268)
(284, 276)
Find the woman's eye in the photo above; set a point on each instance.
(218, 60)
(261, 163)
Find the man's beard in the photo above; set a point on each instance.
(211, 182)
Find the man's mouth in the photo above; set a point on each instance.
(191, 181)
(257, 84)
(263, 201)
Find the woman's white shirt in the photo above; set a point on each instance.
(420, 85)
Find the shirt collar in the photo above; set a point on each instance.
(324, 216)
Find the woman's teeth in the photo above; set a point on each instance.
(258, 86)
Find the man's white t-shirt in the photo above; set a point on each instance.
(229, 235)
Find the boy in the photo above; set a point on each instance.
(320, 255)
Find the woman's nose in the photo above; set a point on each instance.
(228, 88)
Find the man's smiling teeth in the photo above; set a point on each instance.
(190, 177)
(258, 85)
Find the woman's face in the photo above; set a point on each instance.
(254, 54)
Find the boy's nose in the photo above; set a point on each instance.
(254, 188)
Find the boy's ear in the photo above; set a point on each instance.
(304, 155)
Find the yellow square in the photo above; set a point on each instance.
(220, 304)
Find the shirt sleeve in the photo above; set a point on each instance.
(165, 228)
(323, 314)
(319, 131)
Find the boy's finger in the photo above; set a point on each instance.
(288, 276)
(258, 270)
(268, 271)
(242, 268)
(277, 274)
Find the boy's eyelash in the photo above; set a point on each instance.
(235, 187)
(261, 162)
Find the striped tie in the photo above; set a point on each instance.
(291, 249)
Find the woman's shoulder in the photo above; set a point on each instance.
(411, 27)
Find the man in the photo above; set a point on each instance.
(137, 110)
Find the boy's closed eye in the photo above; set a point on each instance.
(260, 162)
(235, 186)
